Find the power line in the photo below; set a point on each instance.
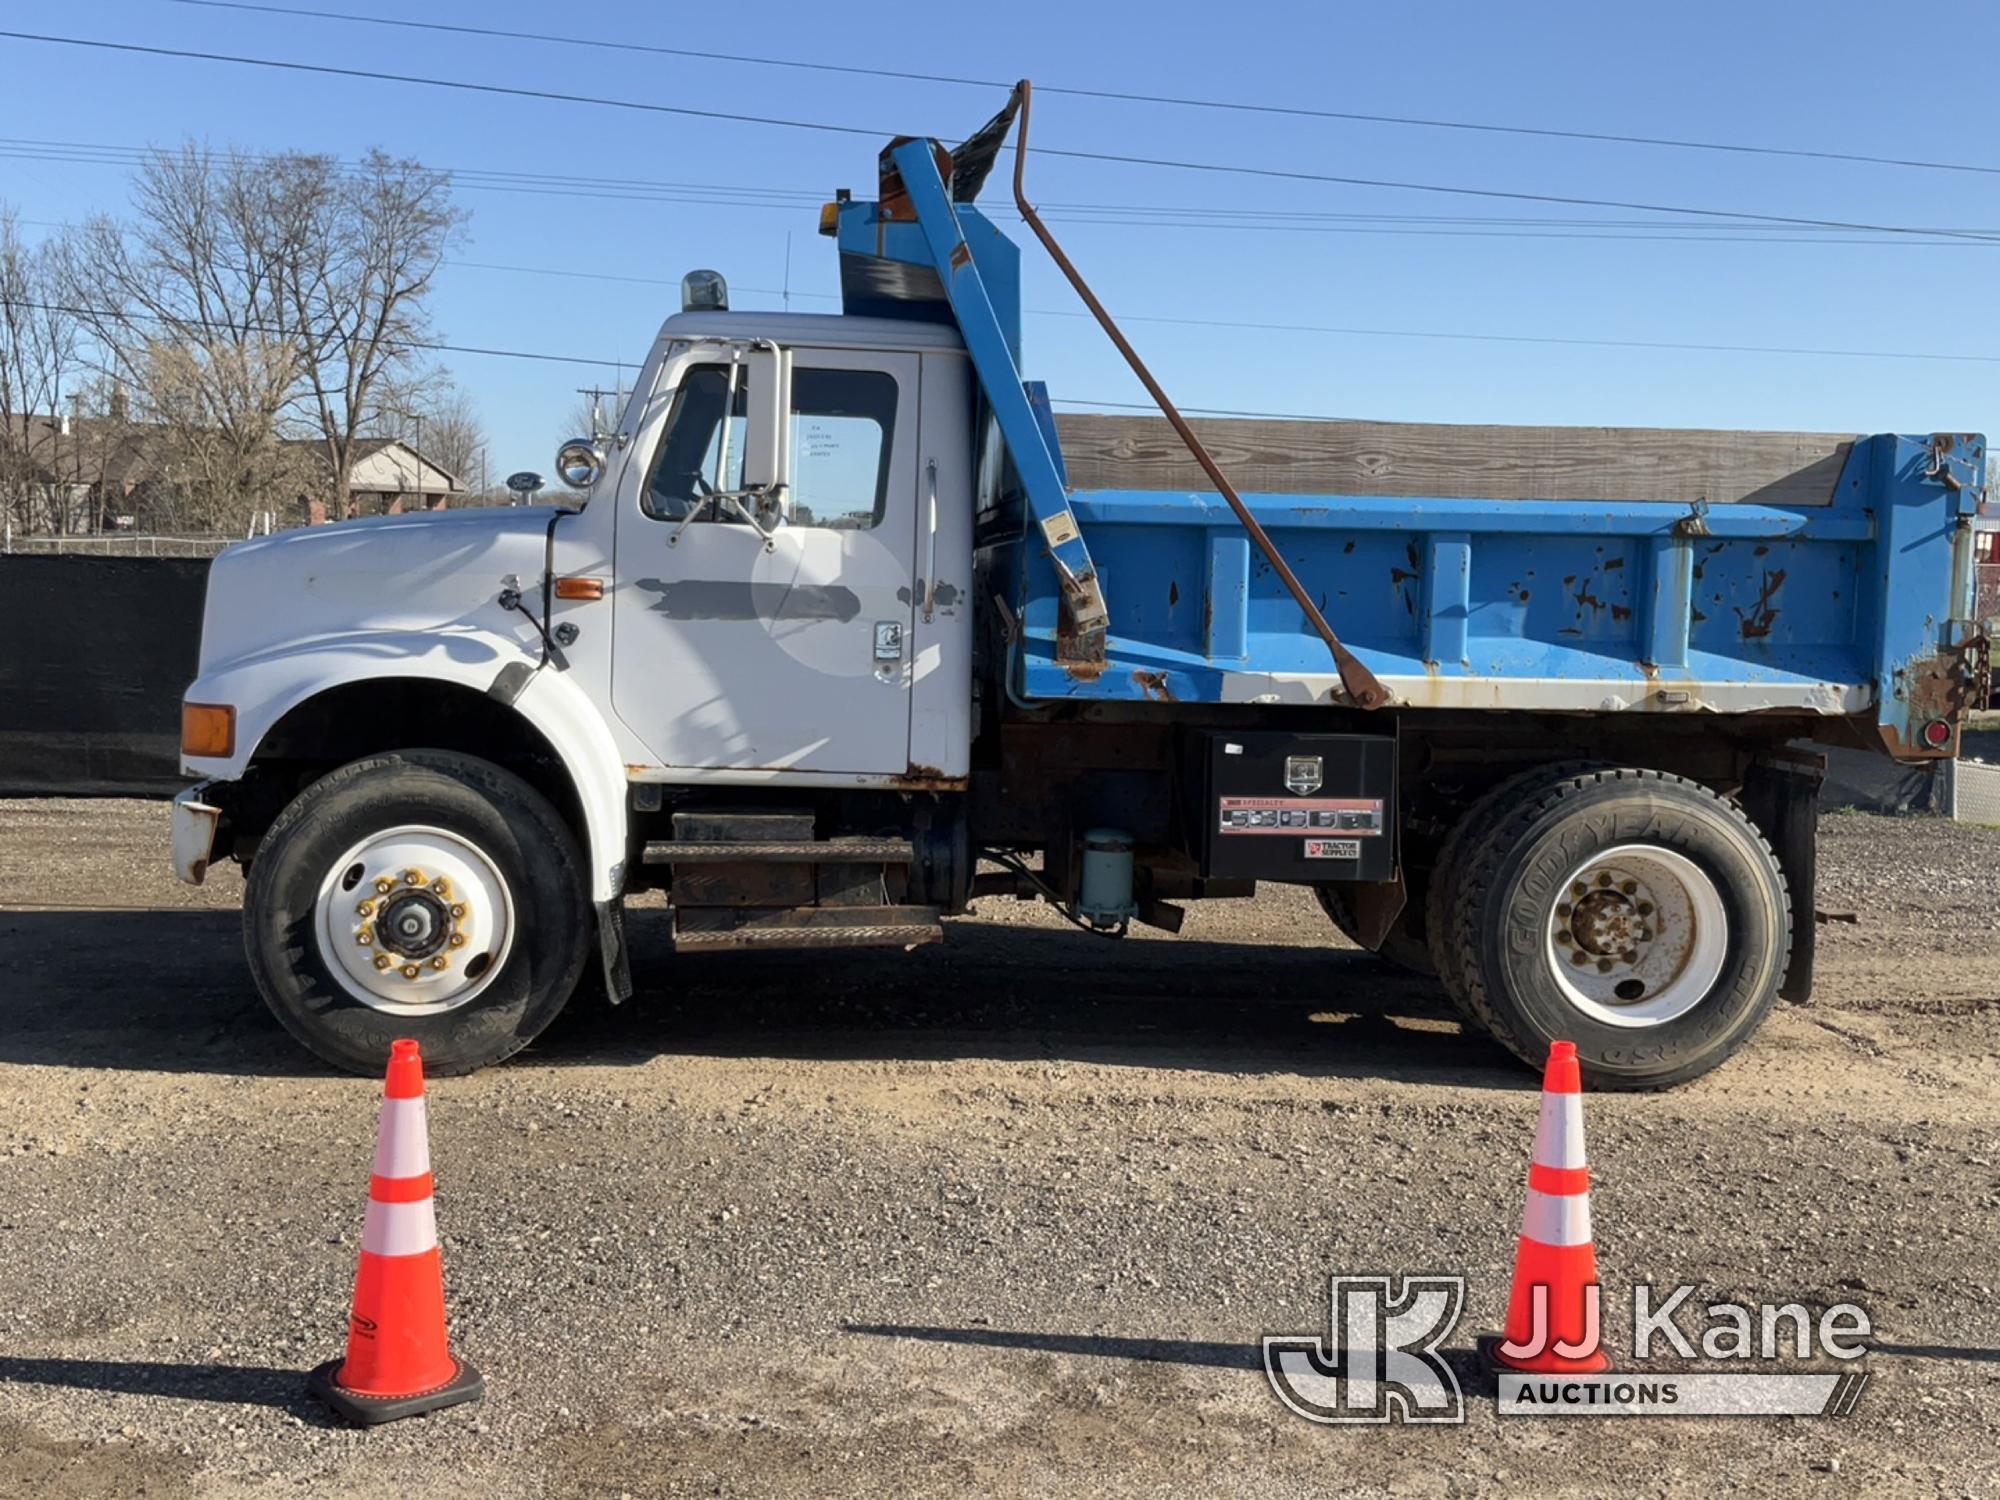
(431, 346)
(1233, 324)
(1233, 105)
(1115, 158)
(1116, 215)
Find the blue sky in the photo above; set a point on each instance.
(1752, 73)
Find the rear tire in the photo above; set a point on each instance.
(368, 848)
(1442, 896)
(1635, 913)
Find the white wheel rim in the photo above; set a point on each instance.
(1637, 936)
(397, 940)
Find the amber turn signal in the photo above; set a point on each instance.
(579, 588)
(208, 729)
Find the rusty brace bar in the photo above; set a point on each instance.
(1363, 689)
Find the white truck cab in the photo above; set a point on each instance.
(764, 583)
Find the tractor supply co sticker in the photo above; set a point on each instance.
(1357, 817)
(1333, 848)
(1059, 528)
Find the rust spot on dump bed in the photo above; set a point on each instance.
(1153, 685)
(1755, 622)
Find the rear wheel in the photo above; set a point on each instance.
(1635, 913)
(421, 894)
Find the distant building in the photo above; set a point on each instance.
(388, 478)
(81, 474)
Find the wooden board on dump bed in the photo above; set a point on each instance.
(1410, 459)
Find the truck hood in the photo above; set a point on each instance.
(427, 572)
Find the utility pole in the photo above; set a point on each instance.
(596, 394)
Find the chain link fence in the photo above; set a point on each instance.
(113, 544)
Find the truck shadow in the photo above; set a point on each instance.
(1015, 993)
(166, 991)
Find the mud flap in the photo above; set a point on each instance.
(611, 945)
(1782, 799)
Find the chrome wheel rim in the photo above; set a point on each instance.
(414, 921)
(1637, 936)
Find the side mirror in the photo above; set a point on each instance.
(579, 462)
(767, 430)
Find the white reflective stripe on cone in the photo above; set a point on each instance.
(402, 1145)
(1551, 1218)
(1559, 1134)
(399, 1228)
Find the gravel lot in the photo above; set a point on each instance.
(893, 1224)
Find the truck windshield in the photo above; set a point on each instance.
(685, 465)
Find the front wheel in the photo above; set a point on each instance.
(419, 894)
(1635, 913)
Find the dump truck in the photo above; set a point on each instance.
(845, 628)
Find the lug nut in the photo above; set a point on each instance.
(383, 961)
(410, 971)
(365, 936)
(458, 909)
(1604, 966)
(1562, 908)
(1645, 908)
(1579, 957)
(1578, 888)
(365, 909)
(457, 940)
(1629, 886)
(413, 877)
(441, 886)
(384, 886)
(1603, 879)
(1564, 936)
(1630, 955)
(440, 962)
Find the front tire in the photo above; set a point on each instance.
(1633, 912)
(419, 894)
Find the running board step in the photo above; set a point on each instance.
(854, 851)
(714, 929)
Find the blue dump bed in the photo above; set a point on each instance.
(1823, 606)
(1498, 569)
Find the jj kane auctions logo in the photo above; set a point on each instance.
(1381, 1359)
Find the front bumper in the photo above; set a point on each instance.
(195, 822)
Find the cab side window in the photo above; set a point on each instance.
(843, 423)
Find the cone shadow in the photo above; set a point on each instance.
(233, 1385)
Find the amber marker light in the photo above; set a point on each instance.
(208, 730)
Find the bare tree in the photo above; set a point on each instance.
(184, 308)
(255, 299)
(436, 418)
(357, 252)
(38, 356)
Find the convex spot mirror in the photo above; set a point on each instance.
(578, 463)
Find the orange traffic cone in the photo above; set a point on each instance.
(1552, 1314)
(398, 1363)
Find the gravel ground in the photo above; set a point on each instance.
(913, 1223)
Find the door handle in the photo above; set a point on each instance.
(930, 567)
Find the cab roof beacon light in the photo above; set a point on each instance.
(704, 291)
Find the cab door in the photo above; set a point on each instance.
(771, 637)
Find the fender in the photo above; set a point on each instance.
(266, 686)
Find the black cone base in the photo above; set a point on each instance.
(367, 1411)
